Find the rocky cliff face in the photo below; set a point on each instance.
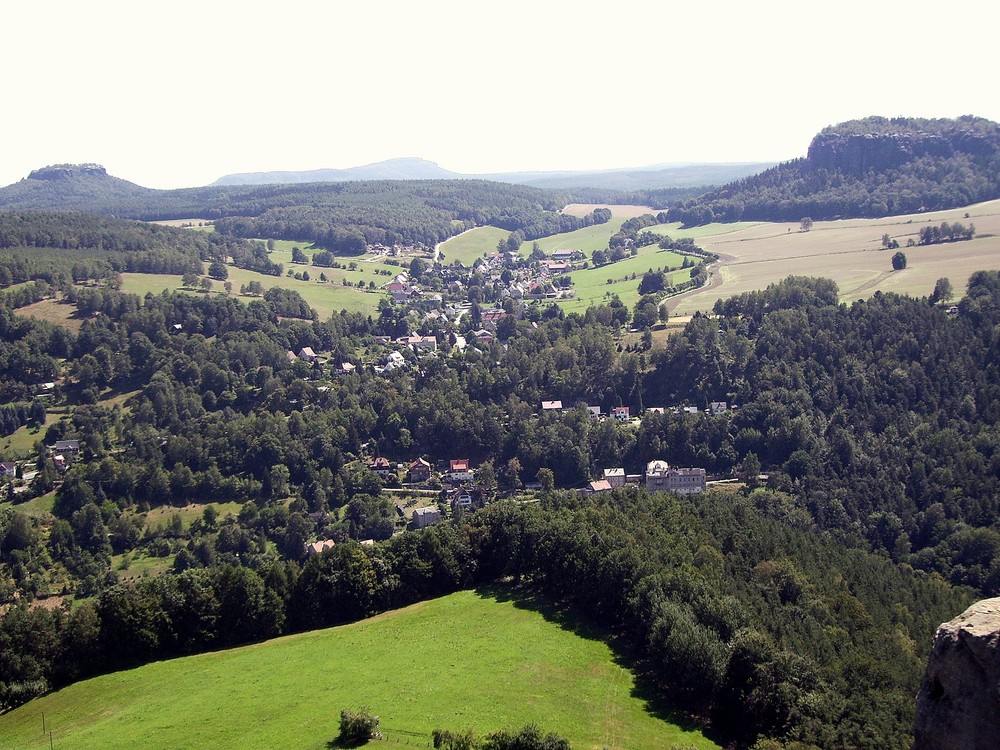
(886, 144)
(64, 171)
(958, 706)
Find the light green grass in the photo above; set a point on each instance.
(325, 298)
(592, 287)
(465, 660)
(36, 507)
(586, 240)
(139, 566)
(159, 517)
(465, 248)
(21, 443)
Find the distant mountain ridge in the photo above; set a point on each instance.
(626, 179)
(866, 168)
(392, 169)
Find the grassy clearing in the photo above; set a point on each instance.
(21, 442)
(131, 567)
(325, 298)
(159, 518)
(54, 311)
(465, 248)
(850, 252)
(592, 287)
(465, 660)
(586, 240)
(36, 507)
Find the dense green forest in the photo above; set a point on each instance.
(791, 593)
(865, 168)
(798, 604)
(344, 217)
(76, 247)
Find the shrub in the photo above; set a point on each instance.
(357, 727)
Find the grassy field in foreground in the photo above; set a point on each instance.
(465, 660)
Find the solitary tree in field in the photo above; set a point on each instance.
(942, 291)
(898, 261)
(805, 224)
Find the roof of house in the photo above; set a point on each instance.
(657, 466)
(600, 485)
(419, 462)
(550, 405)
(67, 445)
(316, 547)
(307, 352)
(459, 464)
(616, 472)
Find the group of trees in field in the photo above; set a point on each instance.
(945, 232)
(865, 168)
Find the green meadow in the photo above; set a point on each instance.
(466, 247)
(469, 660)
(592, 287)
(324, 297)
(587, 240)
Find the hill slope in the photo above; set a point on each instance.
(865, 169)
(466, 660)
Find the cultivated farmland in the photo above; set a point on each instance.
(849, 252)
(472, 659)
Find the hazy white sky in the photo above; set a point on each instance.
(179, 93)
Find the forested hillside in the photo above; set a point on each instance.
(764, 610)
(343, 216)
(866, 168)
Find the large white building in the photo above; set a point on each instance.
(660, 477)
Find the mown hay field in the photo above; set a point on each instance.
(850, 252)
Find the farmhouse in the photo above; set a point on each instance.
(459, 470)
(467, 497)
(381, 467)
(660, 477)
(71, 447)
(566, 254)
(418, 471)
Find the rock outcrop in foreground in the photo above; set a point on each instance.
(958, 706)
